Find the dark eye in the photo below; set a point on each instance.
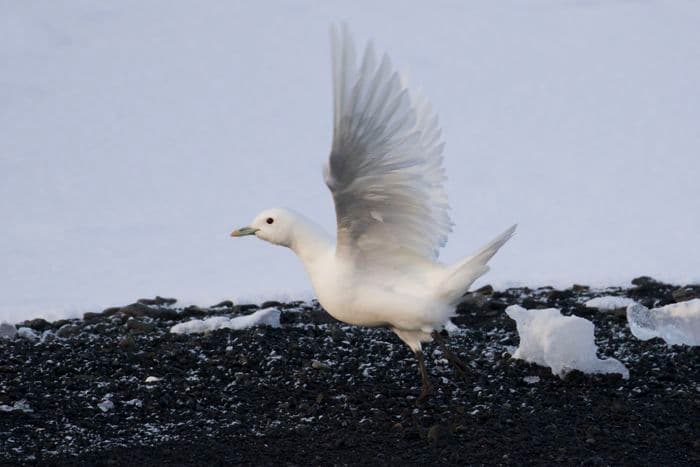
(270, 220)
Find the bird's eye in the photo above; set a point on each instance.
(270, 220)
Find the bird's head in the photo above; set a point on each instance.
(272, 225)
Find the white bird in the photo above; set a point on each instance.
(386, 177)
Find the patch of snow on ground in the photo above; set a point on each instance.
(678, 323)
(563, 343)
(452, 328)
(266, 316)
(7, 331)
(19, 405)
(609, 302)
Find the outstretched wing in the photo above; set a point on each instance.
(385, 169)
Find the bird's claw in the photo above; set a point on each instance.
(424, 394)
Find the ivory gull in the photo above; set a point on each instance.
(386, 177)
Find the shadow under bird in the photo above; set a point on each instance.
(386, 176)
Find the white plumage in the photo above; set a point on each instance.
(386, 176)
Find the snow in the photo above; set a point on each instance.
(531, 379)
(452, 328)
(19, 405)
(7, 331)
(266, 316)
(609, 302)
(152, 379)
(677, 323)
(135, 135)
(563, 343)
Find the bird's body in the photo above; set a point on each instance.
(386, 177)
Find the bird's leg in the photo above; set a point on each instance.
(452, 358)
(427, 387)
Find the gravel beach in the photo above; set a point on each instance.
(118, 388)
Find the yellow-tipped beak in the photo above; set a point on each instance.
(243, 231)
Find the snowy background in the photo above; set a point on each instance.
(134, 136)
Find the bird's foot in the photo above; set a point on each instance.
(458, 364)
(425, 393)
(427, 387)
(454, 360)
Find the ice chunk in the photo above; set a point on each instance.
(266, 316)
(678, 323)
(563, 343)
(106, 405)
(7, 331)
(609, 303)
(27, 333)
(153, 379)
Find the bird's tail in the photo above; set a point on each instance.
(461, 275)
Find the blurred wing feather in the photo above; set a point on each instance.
(385, 168)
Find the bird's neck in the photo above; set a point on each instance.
(310, 243)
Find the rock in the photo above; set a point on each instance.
(532, 303)
(560, 294)
(650, 292)
(580, 288)
(497, 305)
(135, 310)
(167, 314)
(38, 324)
(194, 311)
(575, 377)
(59, 323)
(619, 313)
(485, 290)
(248, 307)
(91, 317)
(158, 301)
(224, 304)
(68, 330)
(138, 326)
(316, 365)
(107, 312)
(7, 331)
(270, 304)
(320, 316)
(642, 281)
(473, 300)
(593, 461)
(683, 294)
(127, 343)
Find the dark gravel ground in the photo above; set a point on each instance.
(316, 392)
